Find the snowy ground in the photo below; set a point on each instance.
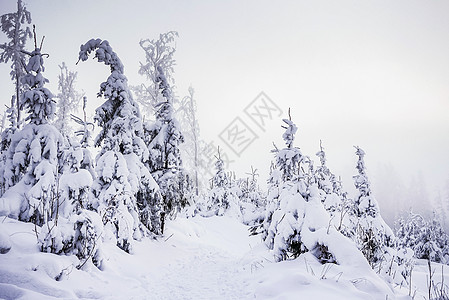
(198, 258)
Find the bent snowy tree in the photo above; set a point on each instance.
(126, 194)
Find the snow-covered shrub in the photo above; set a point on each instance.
(122, 178)
(397, 265)
(79, 234)
(427, 238)
(285, 204)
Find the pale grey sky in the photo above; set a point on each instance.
(367, 73)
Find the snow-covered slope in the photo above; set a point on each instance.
(198, 258)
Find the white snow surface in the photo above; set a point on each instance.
(197, 258)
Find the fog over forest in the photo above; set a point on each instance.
(371, 74)
(224, 149)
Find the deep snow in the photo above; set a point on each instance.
(197, 258)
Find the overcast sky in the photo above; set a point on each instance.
(367, 73)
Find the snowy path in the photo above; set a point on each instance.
(207, 274)
(207, 267)
(203, 258)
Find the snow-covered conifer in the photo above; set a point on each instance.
(327, 183)
(15, 26)
(334, 198)
(220, 198)
(252, 200)
(126, 192)
(373, 234)
(32, 157)
(6, 136)
(163, 138)
(283, 172)
(426, 237)
(296, 220)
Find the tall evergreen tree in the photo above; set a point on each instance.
(16, 27)
(163, 138)
(128, 197)
(33, 156)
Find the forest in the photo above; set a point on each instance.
(90, 189)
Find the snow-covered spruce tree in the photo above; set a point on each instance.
(334, 198)
(373, 234)
(68, 99)
(32, 158)
(15, 26)
(163, 138)
(285, 173)
(127, 197)
(6, 135)
(252, 200)
(326, 182)
(222, 196)
(296, 220)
